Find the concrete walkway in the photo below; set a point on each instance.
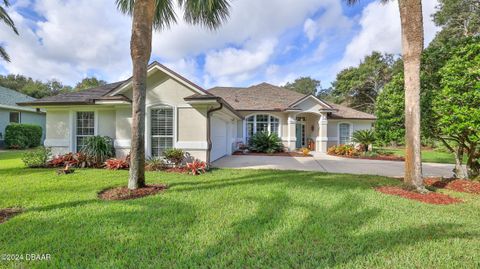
(331, 164)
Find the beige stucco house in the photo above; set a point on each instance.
(206, 124)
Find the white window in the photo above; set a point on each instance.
(85, 127)
(262, 123)
(344, 133)
(161, 129)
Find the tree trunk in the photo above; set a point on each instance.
(473, 166)
(460, 171)
(140, 50)
(412, 46)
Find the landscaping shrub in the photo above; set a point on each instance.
(305, 151)
(364, 138)
(80, 160)
(22, 136)
(98, 148)
(197, 167)
(343, 150)
(174, 156)
(116, 164)
(155, 164)
(37, 158)
(265, 142)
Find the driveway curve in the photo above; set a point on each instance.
(330, 164)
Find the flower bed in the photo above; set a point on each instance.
(460, 185)
(124, 193)
(429, 198)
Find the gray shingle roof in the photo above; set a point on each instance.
(343, 112)
(9, 99)
(81, 97)
(263, 96)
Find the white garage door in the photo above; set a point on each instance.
(218, 135)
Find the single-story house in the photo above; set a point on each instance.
(206, 124)
(10, 112)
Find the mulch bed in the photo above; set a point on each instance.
(124, 193)
(460, 185)
(429, 198)
(180, 170)
(281, 154)
(7, 213)
(379, 157)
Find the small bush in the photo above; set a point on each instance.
(364, 138)
(116, 164)
(98, 148)
(37, 158)
(79, 160)
(265, 142)
(22, 136)
(305, 151)
(155, 164)
(174, 156)
(343, 150)
(197, 167)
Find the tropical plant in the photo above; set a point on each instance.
(98, 148)
(37, 158)
(117, 164)
(265, 142)
(9, 22)
(79, 159)
(411, 21)
(197, 167)
(155, 164)
(147, 15)
(364, 138)
(175, 156)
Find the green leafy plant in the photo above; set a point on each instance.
(174, 156)
(265, 142)
(37, 158)
(364, 138)
(155, 164)
(22, 136)
(98, 148)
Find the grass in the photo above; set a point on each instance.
(428, 155)
(230, 218)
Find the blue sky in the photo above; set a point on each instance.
(274, 41)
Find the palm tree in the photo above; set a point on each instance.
(412, 45)
(8, 21)
(158, 14)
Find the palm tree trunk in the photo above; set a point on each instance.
(412, 46)
(140, 50)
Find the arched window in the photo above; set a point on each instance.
(344, 133)
(161, 129)
(262, 123)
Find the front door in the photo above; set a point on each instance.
(300, 134)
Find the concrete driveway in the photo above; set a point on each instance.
(331, 164)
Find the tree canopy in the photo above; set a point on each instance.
(305, 85)
(89, 82)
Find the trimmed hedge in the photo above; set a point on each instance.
(21, 136)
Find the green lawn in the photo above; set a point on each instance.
(231, 218)
(428, 155)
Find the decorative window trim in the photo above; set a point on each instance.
(245, 122)
(350, 130)
(148, 131)
(74, 126)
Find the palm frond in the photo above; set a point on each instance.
(4, 55)
(6, 18)
(207, 13)
(164, 12)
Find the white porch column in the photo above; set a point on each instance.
(322, 138)
(291, 132)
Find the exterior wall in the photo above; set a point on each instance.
(36, 118)
(58, 135)
(355, 126)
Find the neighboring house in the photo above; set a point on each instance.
(10, 112)
(206, 124)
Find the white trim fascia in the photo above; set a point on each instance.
(111, 102)
(184, 106)
(201, 102)
(52, 142)
(25, 109)
(192, 145)
(168, 73)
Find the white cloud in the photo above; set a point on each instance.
(381, 31)
(231, 65)
(75, 38)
